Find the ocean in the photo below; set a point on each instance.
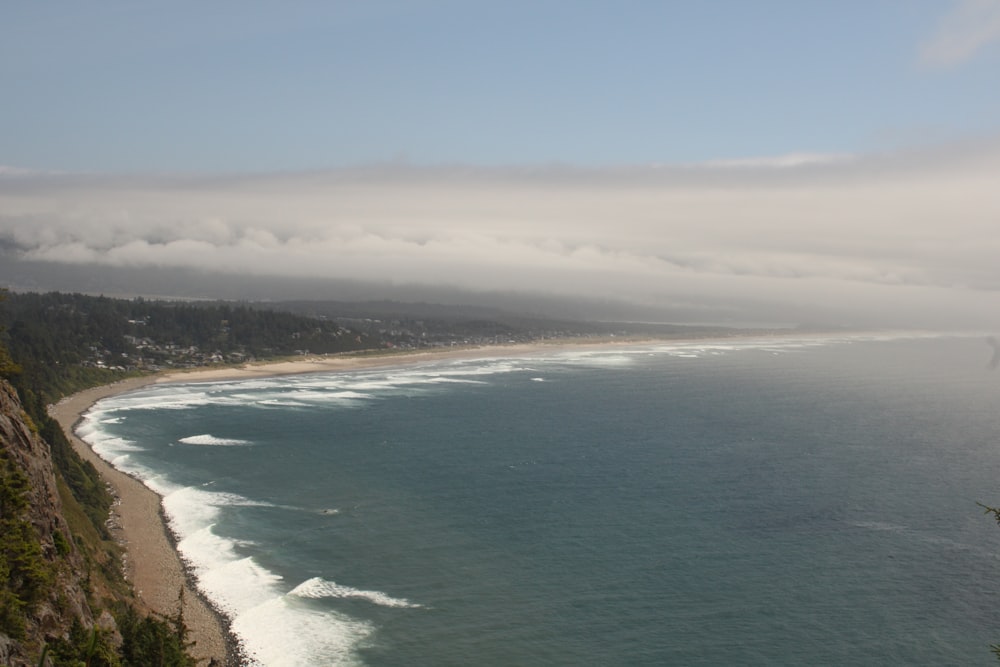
(781, 501)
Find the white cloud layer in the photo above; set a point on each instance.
(902, 236)
(970, 27)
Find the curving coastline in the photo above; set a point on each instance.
(152, 562)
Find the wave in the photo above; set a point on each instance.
(167, 397)
(212, 441)
(274, 627)
(285, 621)
(118, 451)
(354, 389)
(330, 389)
(784, 343)
(279, 403)
(318, 588)
(115, 446)
(598, 358)
(280, 633)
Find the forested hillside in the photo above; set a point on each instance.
(63, 597)
(65, 342)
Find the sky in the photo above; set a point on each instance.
(832, 161)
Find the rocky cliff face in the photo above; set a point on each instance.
(43, 546)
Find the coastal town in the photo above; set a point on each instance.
(139, 335)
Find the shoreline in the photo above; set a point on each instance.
(152, 563)
(382, 359)
(150, 558)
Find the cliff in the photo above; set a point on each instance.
(43, 573)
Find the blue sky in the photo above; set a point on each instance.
(252, 86)
(814, 161)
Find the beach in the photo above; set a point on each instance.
(152, 563)
(157, 572)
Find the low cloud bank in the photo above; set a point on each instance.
(908, 238)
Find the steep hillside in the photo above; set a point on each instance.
(42, 570)
(62, 593)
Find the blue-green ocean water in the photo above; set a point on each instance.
(758, 502)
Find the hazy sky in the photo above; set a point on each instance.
(828, 156)
(236, 86)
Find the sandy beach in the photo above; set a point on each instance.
(152, 564)
(381, 359)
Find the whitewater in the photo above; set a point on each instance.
(746, 501)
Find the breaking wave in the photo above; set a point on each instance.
(317, 588)
(212, 441)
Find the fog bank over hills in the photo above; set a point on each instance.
(446, 152)
(367, 298)
(905, 240)
(381, 299)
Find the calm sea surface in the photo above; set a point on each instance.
(764, 502)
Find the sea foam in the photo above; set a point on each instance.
(212, 441)
(117, 451)
(318, 588)
(273, 629)
(306, 619)
(282, 633)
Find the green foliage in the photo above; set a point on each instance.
(28, 574)
(61, 544)
(81, 476)
(13, 488)
(151, 642)
(8, 368)
(45, 375)
(11, 610)
(61, 341)
(25, 576)
(90, 647)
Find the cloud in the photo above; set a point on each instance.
(781, 161)
(7, 171)
(894, 235)
(970, 27)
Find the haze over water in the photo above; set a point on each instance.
(771, 502)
